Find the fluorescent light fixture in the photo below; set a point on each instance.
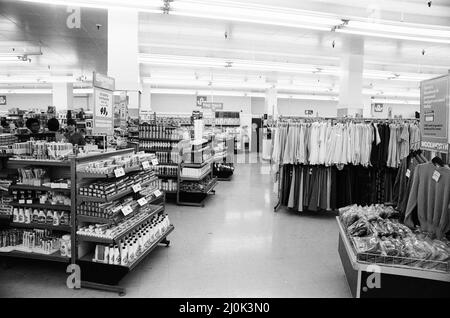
(309, 97)
(152, 6)
(83, 90)
(32, 79)
(424, 30)
(157, 82)
(393, 36)
(26, 91)
(268, 66)
(170, 91)
(395, 101)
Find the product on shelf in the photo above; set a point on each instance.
(6, 141)
(158, 145)
(107, 166)
(196, 186)
(6, 209)
(379, 237)
(168, 185)
(111, 231)
(166, 170)
(158, 132)
(40, 177)
(39, 197)
(189, 172)
(30, 241)
(168, 157)
(41, 216)
(5, 184)
(106, 189)
(133, 245)
(42, 150)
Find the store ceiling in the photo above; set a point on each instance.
(65, 51)
(387, 61)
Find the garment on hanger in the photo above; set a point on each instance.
(430, 193)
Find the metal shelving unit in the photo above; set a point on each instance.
(58, 168)
(37, 188)
(44, 226)
(106, 276)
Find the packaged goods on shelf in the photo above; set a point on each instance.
(112, 231)
(41, 216)
(133, 245)
(158, 132)
(30, 241)
(376, 234)
(108, 166)
(5, 184)
(5, 209)
(166, 170)
(39, 197)
(168, 157)
(42, 150)
(168, 185)
(105, 189)
(39, 177)
(196, 186)
(194, 172)
(158, 145)
(6, 142)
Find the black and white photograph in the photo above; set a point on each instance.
(221, 156)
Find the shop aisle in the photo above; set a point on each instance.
(235, 246)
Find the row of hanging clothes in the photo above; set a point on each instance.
(326, 164)
(333, 142)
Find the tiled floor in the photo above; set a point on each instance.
(235, 246)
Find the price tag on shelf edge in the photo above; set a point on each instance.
(142, 201)
(118, 208)
(157, 193)
(145, 165)
(119, 172)
(136, 188)
(127, 210)
(155, 162)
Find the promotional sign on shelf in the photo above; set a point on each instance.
(103, 122)
(434, 110)
(201, 100)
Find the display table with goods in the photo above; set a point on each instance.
(382, 257)
(224, 146)
(120, 214)
(195, 178)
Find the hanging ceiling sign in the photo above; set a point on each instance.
(309, 112)
(434, 109)
(103, 121)
(212, 105)
(103, 81)
(201, 100)
(3, 100)
(378, 108)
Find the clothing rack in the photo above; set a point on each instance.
(283, 121)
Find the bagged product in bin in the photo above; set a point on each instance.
(366, 245)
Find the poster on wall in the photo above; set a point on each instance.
(3, 100)
(103, 105)
(434, 107)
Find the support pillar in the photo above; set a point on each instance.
(146, 99)
(271, 102)
(351, 101)
(62, 96)
(123, 49)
